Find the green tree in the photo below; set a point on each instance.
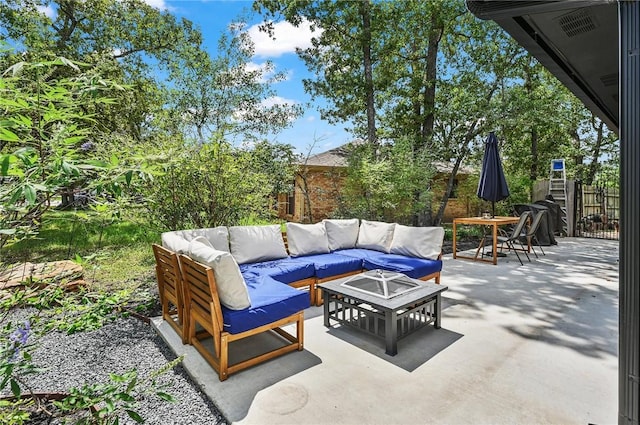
(342, 57)
(225, 96)
(435, 72)
(382, 180)
(127, 40)
(543, 120)
(46, 135)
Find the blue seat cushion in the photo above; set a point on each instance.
(327, 265)
(361, 253)
(411, 266)
(285, 270)
(270, 301)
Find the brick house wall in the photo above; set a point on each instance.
(325, 174)
(323, 187)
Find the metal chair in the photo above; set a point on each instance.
(515, 236)
(530, 232)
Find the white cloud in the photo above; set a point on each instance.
(48, 11)
(277, 100)
(266, 71)
(262, 69)
(252, 66)
(311, 118)
(287, 38)
(157, 4)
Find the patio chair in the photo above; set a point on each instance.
(515, 236)
(171, 290)
(531, 231)
(205, 313)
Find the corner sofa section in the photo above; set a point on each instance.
(308, 254)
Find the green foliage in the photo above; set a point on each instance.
(46, 139)
(70, 313)
(14, 412)
(15, 357)
(520, 188)
(444, 79)
(226, 97)
(383, 185)
(216, 184)
(463, 232)
(85, 310)
(125, 41)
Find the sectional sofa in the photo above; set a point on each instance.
(261, 275)
(307, 254)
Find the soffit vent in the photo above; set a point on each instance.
(577, 22)
(610, 79)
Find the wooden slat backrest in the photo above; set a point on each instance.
(202, 294)
(167, 270)
(286, 241)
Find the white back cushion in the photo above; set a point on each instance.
(375, 235)
(232, 289)
(173, 241)
(421, 242)
(217, 236)
(307, 239)
(179, 239)
(251, 244)
(342, 234)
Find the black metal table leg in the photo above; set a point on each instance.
(391, 332)
(438, 311)
(325, 304)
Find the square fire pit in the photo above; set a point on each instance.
(381, 283)
(384, 304)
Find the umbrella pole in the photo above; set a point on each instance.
(493, 209)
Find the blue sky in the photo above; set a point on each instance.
(214, 16)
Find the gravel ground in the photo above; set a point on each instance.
(88, 357)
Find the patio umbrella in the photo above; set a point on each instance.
(492, 186)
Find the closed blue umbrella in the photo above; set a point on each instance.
(493, 185)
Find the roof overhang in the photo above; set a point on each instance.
(576, 40)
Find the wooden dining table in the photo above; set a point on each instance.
(494, 223)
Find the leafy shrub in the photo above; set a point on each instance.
(388, 185)
(216, 184)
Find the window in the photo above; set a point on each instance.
(291, 203)
(454, 189)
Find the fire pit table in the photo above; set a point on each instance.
(385, 304)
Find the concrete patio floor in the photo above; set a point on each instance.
(532, 344)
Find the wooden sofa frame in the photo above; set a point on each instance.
(202, 307)
(171, 290)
